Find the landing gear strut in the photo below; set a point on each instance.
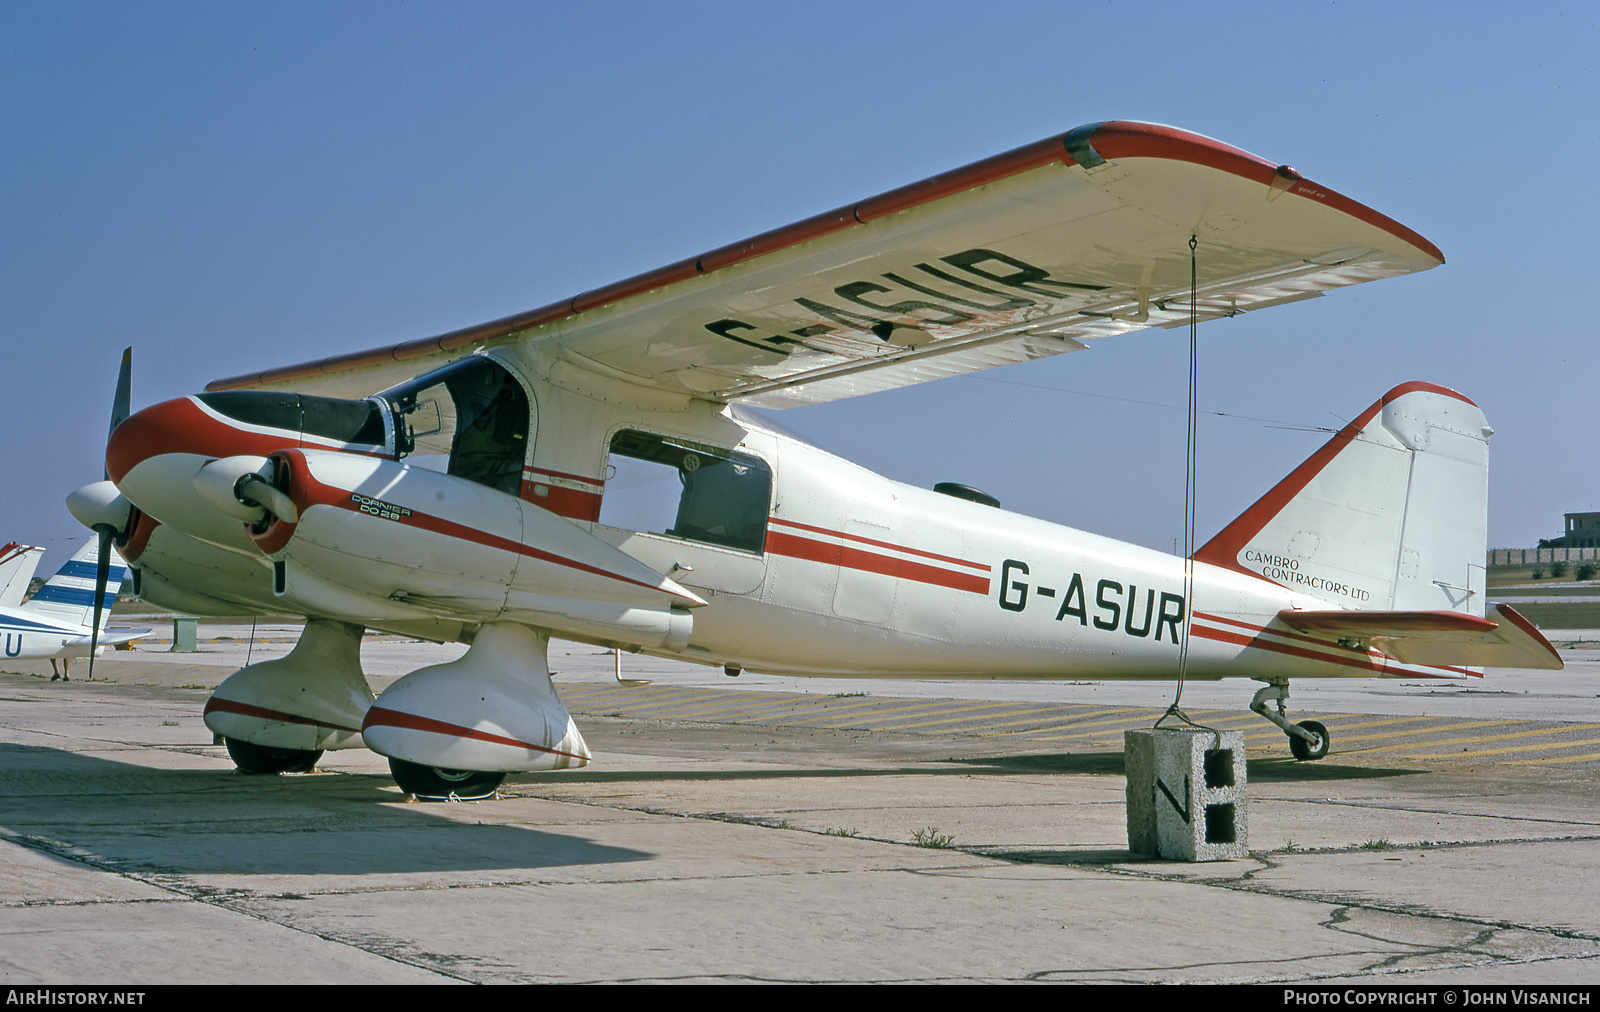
(1308, 739)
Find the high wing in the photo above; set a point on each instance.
(1502, 639)
(1025, 255)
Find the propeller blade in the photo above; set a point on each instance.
(105, 533)
(120, 400)
(102, 576)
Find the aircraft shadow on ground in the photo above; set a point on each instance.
(536, 780)
(139, 820)
(1273, 770)
(1107, 763)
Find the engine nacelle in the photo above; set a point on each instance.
(378, 540)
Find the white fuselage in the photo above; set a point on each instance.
(25, 634)
(853, 574)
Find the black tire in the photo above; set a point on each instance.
(437, 782)
(1303, 749)
(264, 760)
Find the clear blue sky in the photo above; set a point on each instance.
(233, 186)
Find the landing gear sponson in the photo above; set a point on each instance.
(1307, 739)
(448, 730)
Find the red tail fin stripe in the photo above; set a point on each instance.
(1223, 550)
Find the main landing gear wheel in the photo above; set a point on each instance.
(264, 760)
(1306, 750)
(1315, 744)
(438, 782)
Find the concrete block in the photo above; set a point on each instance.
(1186, 793)
(184, 639)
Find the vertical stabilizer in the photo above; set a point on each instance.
(1391, 513)
(68, 596)
(17, 564)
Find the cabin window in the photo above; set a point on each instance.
(687, 490)
(471, 417)
(349, 422)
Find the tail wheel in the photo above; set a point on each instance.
(264, 760)
(1306, 750)
(438, 782)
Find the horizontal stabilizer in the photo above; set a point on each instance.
(1502, 640)
(114, 635)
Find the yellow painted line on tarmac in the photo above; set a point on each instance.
(799, 708)
(1030, 714)
(690, 701)
(708, 703)
(1222, 716)
(625, 702)
(1550, 729)
(1075, 725)
(1378, 723)
(807, 714)
(628, 693)
(1157, 713)
(1057, 708)
(1272, 732)
(1541, 747)
(861, 705)
(1462, 726)
(1586, 757)
(949, 715)
(954, 716)
(715, 701)
(747, 709)
(1462, 741)
(811, 709)
(857, 713)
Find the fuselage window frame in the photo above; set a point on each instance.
(724, 496)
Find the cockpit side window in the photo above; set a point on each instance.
(357, 423)
(687, 490)
(472, 413)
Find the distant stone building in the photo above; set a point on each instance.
(1581, 543)
(1583, 531)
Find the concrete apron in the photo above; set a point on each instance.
(130, 852)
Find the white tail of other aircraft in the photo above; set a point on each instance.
(17, 564)
(67, 598)
(1390, 514)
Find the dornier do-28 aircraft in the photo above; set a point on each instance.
(588, 470)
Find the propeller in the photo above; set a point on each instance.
(106, 531)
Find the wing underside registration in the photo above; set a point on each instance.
(1032, 253)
